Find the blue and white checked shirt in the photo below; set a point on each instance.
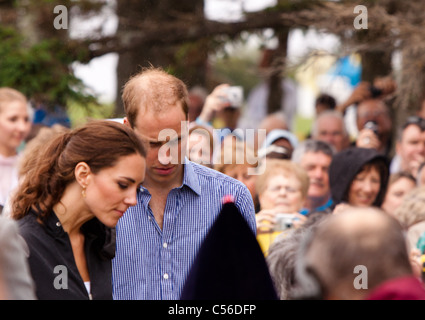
(151, 263)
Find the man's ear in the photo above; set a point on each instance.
(82, 173)
(126, 122)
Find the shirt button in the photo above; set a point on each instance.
(165, 245)
(165, 276)
(58, 224)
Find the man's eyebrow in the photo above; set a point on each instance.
(171, 138)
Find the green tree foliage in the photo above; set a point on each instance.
(41, 71)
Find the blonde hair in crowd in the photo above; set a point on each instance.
(275, 167)
(8, 95)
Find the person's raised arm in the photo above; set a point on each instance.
(214, 102)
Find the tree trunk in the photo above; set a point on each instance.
(8, 13)
(35, 21)
(276, 93)
(411, 84)
(375, 64)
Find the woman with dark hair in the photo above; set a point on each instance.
(69, 202)
(359, 177)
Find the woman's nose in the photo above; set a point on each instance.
(131, 199)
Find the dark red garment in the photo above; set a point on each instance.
(403, 288)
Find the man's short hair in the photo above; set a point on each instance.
(153, 89)
(412, 120)
(311, 145)
(327, 100)
(357, 236)
(328, 113)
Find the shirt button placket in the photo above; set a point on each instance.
(166, 276)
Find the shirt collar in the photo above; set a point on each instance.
(190, 178)
(53, 225)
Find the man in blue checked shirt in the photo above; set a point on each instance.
(158, 239)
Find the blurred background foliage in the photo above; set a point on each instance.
(37, 59)
(41, 71)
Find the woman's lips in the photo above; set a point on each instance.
(365, 200)
(120, 213)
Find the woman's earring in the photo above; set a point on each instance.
(83, 192)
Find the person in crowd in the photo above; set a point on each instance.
(329, 126)
(279, 144)
(220, 110)
(381, 88)
(15, 125)
(399, 184)
(324, 102)
(197, 97)
(281, 262)
(159, 237)
(282, 189)
(411, 215)
(410, 146)
(201, 145)
(272, 121)
(358, 177)
(68, 204)
(374, 124)
(15, 276)
(213, 104)
(31, 153)
(227, 119)
(282, 256)
(315, 157)
(239, 161)
(339, 259)
(420, 176)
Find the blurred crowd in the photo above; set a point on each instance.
(327, 206)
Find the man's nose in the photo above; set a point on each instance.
(317, 173)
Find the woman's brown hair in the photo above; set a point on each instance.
(99, 143)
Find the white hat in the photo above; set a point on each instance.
(277, 134)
